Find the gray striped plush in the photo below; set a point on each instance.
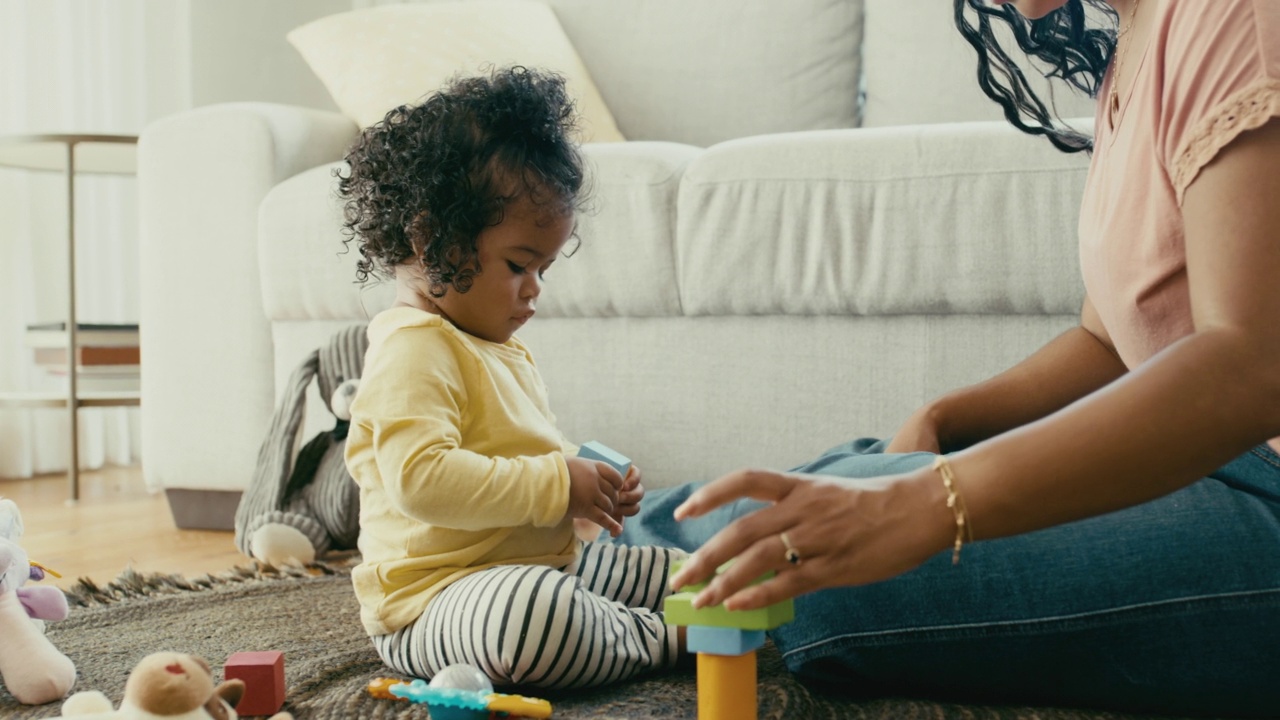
(326, 509)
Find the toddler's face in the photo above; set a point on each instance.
(513, 256)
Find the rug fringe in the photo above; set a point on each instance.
(131, 584)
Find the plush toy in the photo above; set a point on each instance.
(34, 671)
(301, 503)
(168, 686)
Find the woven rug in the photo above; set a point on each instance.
(311, 615)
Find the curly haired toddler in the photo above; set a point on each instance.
(469, 492)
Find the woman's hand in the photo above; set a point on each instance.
(918, 434)
(593, 492)
(845, 532)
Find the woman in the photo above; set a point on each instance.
(1104, 528)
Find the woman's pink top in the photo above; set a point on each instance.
(1210, 70)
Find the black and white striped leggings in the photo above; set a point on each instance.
(597, 621)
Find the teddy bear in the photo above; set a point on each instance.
(302, 503)
(34, 671)
(165, 686)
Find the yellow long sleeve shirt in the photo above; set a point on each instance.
(459, 462)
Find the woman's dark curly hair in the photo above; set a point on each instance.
(427, 179)
(1062, 40)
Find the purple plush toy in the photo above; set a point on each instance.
(32, 668)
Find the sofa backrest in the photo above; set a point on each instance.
(710, 70)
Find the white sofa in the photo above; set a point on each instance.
(772, 267)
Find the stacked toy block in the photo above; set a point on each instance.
(726, 642)
(603, 453)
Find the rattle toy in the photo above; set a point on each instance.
(460, 692)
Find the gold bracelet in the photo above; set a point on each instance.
(963, 530)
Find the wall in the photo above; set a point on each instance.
(239, 51)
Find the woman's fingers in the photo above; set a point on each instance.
(764, 485)
(771, 552)
(788, 583)
(815, 517)
(762, 556)
(734, 541)
(734, 589)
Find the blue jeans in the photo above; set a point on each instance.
(1168, 607)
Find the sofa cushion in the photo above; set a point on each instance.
(625, 264)
(706, 71)
(374, 59)
(920, 70)
(965, 218)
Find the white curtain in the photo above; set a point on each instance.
(83, 66)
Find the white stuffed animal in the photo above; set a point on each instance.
(34, 671)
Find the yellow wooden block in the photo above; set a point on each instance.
(726, 686)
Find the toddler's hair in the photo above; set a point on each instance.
(426, 179)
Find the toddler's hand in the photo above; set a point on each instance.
(586, 530)
(630, 495)
(593, 492)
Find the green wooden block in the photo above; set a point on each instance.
(678, 609)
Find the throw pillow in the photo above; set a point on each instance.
(375, 59)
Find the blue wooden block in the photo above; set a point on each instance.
(722, 640)
(598, 451)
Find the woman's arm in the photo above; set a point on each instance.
(1187, 411)
(1069, 367)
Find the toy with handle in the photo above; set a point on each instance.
(460, 692)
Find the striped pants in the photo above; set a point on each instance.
(595, 622)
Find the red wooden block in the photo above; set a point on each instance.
(263, 676)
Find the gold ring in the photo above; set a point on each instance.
(792, 555)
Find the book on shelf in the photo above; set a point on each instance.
(54, 335)
(96, 370)
(89, 356)
(105, 383)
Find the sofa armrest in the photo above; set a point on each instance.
(206, 344)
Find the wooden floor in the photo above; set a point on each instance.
(116, 524)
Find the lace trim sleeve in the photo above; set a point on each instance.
(1248, 109)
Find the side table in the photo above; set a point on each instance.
(71, 154)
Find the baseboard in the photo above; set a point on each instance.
(203, 509)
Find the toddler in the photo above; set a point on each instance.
(469, 494)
